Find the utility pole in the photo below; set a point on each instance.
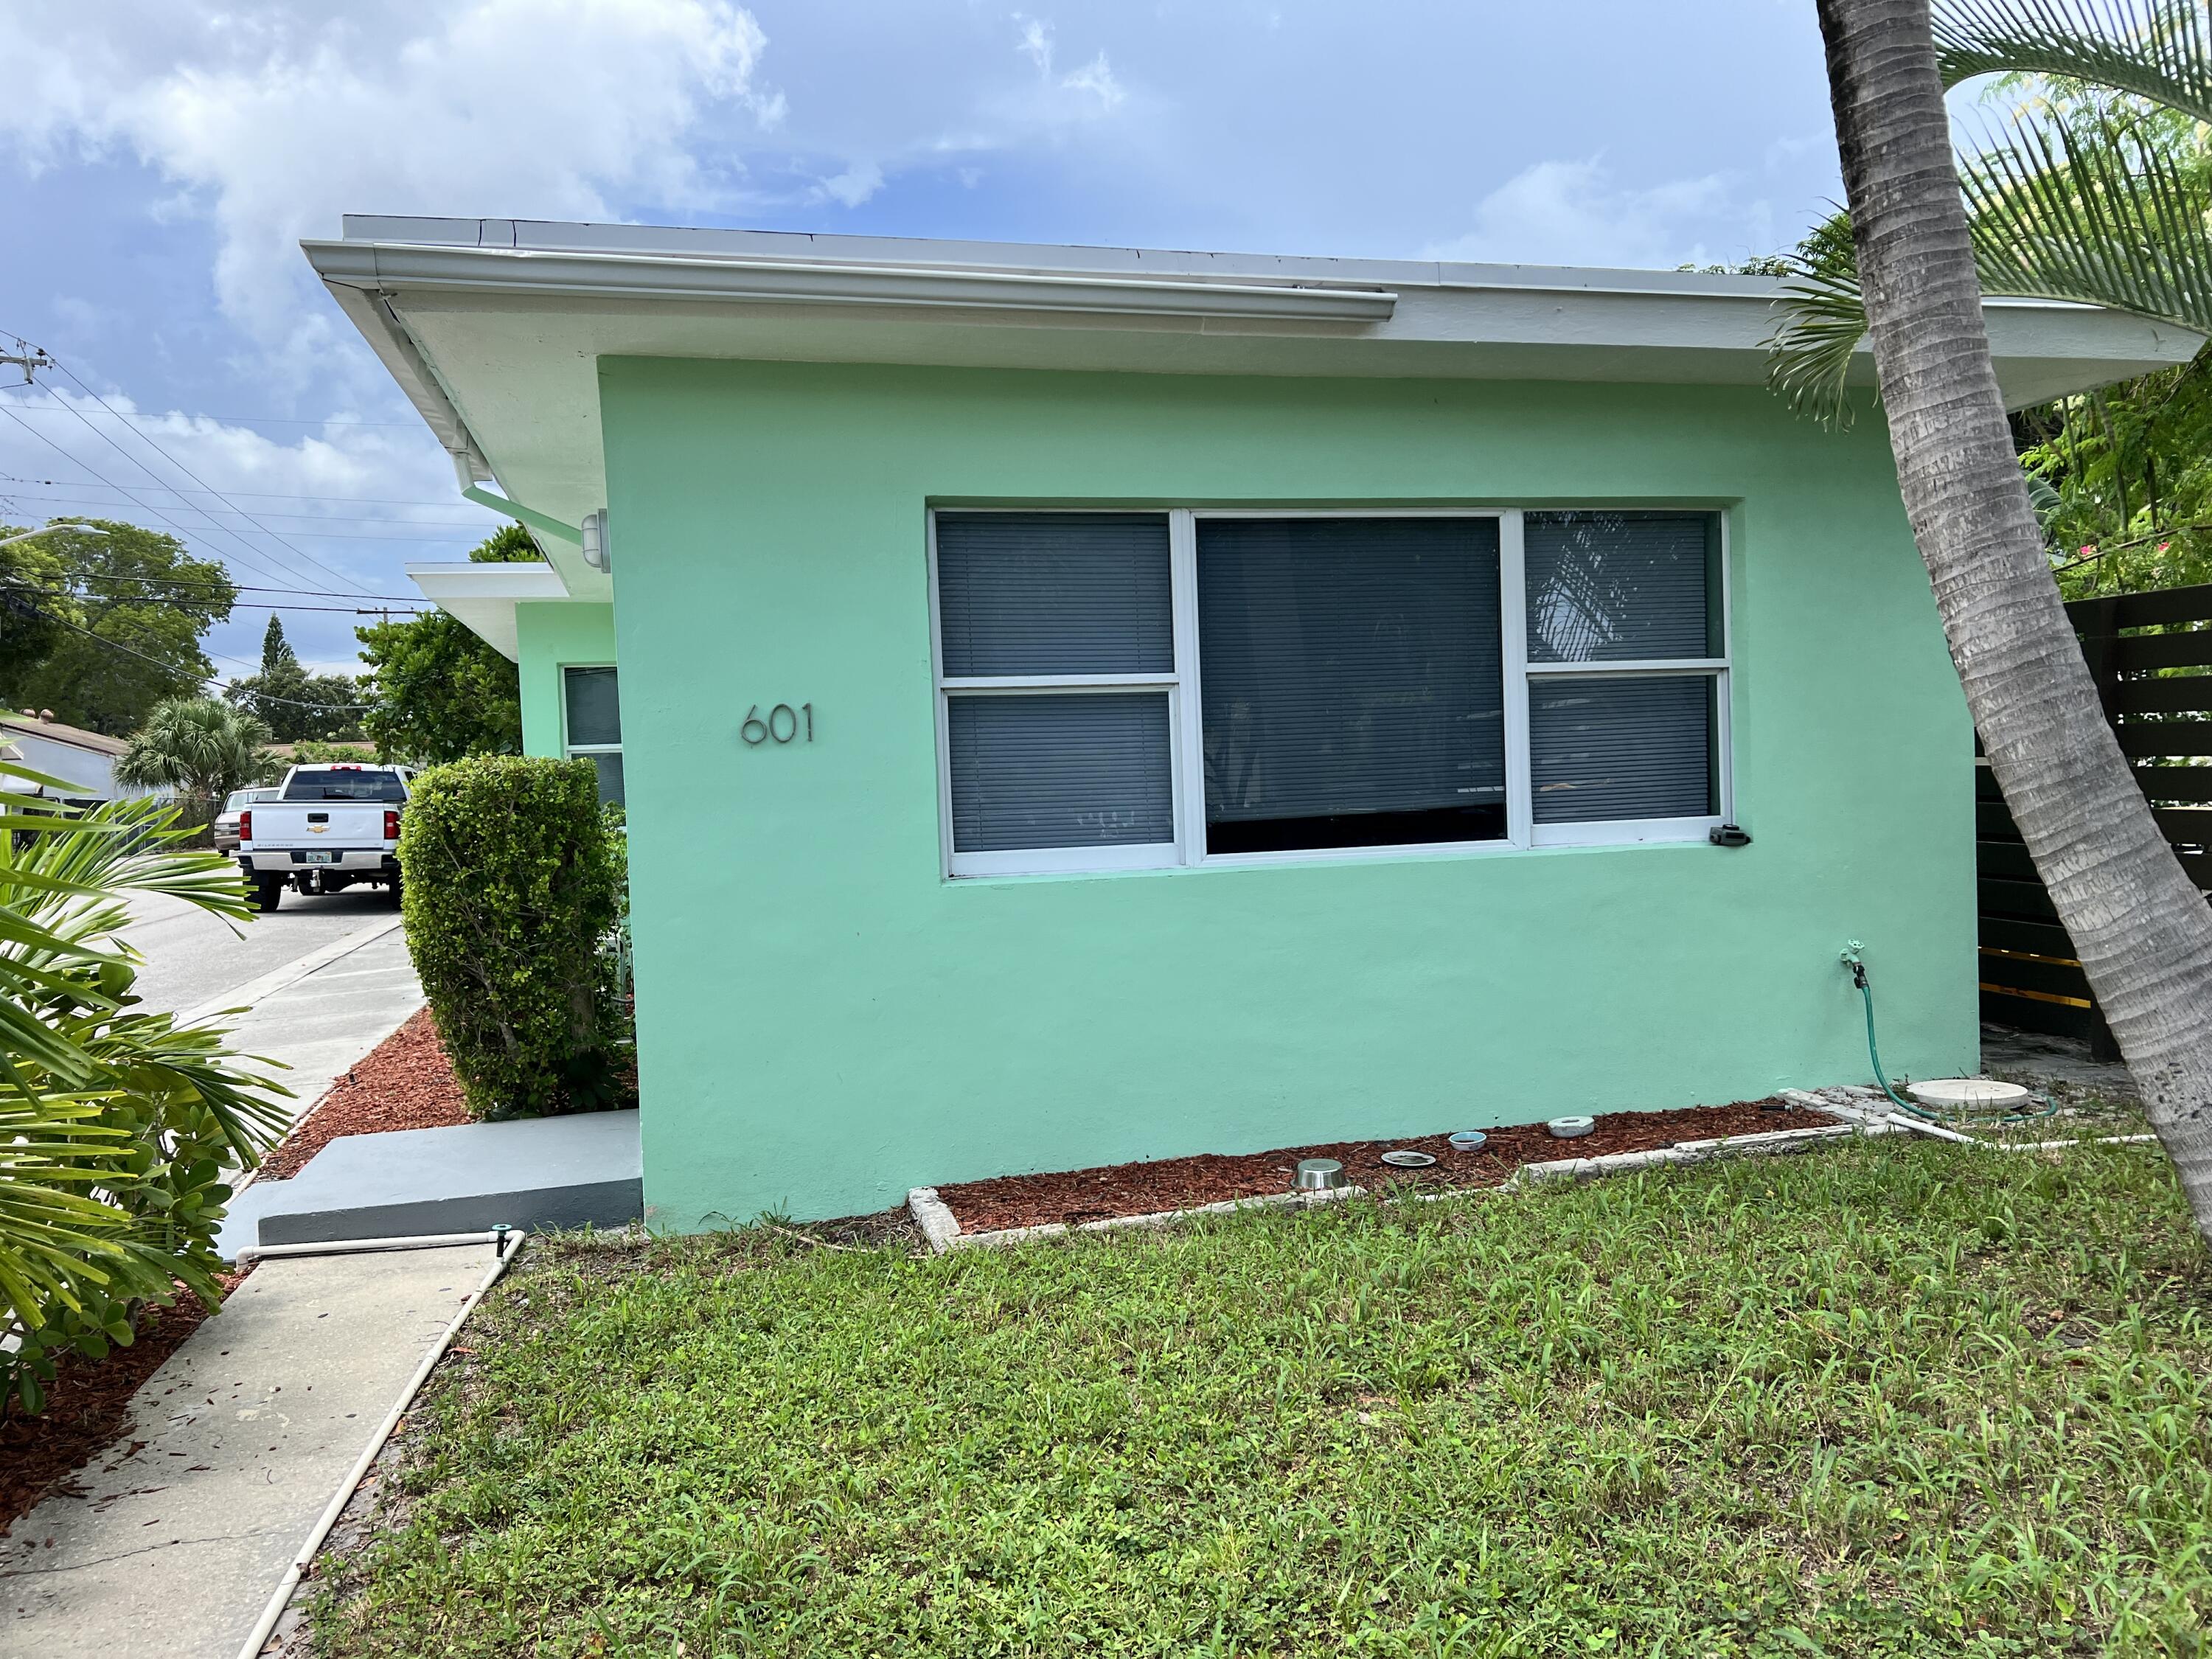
(28, 358)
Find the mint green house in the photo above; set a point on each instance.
(1079, 705)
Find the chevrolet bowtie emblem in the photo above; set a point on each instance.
(319, 829)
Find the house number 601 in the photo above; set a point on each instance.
(782, 725)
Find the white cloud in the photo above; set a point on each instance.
(1096, 78)
(1093, 82)
(855, 185)
(272, 119)
(341, 506)
(1574, 213)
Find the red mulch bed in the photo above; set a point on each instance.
(85, 1406)
(406, 1082)
(1182, 1183)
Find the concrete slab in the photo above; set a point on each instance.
(176, 1537)
(575, 1172)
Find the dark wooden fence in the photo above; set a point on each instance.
(2142, 649)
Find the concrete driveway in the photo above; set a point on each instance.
(192, 958)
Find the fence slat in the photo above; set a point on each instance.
(2180, 737)
(2133, 654)
(2024, 899)
(2026, 1014)
(2169, 605)
(2174, 694)
(2042, 939)
(2060, 979)
(2189, 785)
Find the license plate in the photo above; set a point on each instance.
(320, 857)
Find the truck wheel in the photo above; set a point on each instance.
(268, 892)
(394, 891)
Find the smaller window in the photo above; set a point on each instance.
(592, 711)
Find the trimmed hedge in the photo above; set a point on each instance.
(509, 891)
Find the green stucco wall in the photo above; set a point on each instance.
(551, 634)
(824, 1021)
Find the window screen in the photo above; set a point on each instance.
(1351, 678)
(594, 707)
(1051, 594)
(1079, 768)
(1630, 747)
(1620, 587)
(1063, 597)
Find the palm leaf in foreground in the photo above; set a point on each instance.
(2159, 50)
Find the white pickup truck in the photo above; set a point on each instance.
(329, 828)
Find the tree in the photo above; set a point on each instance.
(2141, 929)
(202, 748)
(438, 692)
(295, 705)
(127, 611)
(30, 575)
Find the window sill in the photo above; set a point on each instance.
(1548, 839)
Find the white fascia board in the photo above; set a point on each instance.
(482, 598)
(401, 267)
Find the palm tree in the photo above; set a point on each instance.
(202, 747)
(2084, 199)
(117, 1127)
(2142, 930)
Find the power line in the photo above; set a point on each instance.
(9, 409)
(147, 440)
(242, 587)
(87, 494)
(384, 610)
(282, 419)
(251, 494)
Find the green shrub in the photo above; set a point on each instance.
(509, 892)
(118, 1128)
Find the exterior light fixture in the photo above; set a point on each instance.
(595, 540)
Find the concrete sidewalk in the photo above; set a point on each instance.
(319, 1024)
(177, 1537)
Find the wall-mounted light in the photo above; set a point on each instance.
(595, 540)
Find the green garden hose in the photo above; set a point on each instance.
(1874, 1054)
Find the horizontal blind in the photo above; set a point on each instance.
(1350, 666)
(1062, 769)
(1054, 593)
(1618, 587)
(1630, 747)
(594, 707)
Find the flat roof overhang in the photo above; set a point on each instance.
(483, 597)
(494, 327)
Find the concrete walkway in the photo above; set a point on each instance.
(318, 1022)
(172, 1548)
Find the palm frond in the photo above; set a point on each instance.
(1819, 321)
(2161, 50)
(2084, 209)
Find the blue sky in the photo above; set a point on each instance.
(160, 159)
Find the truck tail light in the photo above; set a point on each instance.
(390, 825)
(245, 826)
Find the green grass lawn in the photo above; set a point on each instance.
(1887, 1399)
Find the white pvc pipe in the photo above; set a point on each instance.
(1941, 1134)
(511, 1242)
(358, 1246)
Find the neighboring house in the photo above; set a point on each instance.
(85, 759)
(1086, 704)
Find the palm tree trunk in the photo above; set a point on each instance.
(2142, 930)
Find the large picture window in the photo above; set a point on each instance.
(1144, 689)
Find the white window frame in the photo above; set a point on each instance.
(1187, 728)
(581, 751)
